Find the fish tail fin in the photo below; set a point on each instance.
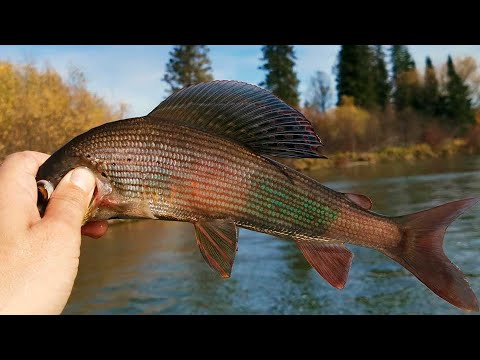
(421, 252)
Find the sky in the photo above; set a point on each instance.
(133, 73)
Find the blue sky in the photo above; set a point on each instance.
(133, 74)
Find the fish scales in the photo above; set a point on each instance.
(204, 155)
(224, 180)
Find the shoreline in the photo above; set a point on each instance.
(408, 154)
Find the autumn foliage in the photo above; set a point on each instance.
(430, 115)
(349, 127)
(41, 111)
(353, 134)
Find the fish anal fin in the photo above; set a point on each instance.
(331, 261)
(217, 240)
(361, 200)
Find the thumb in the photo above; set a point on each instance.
(70, 200)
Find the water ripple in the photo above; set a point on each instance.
(153, 267)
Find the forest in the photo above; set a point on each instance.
(380, 105)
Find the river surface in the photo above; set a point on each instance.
(154, 267)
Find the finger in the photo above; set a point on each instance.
(24, 162)
(19, 190)
(70, 200)
(95, 229)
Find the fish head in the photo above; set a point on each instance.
(57, 166)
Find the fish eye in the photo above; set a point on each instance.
(45, 189)
(44, 192)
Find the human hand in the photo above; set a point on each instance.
(39, 256)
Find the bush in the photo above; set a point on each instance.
(40, 111)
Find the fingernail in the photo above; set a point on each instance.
(83, 178)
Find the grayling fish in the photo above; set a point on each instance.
(204, 156)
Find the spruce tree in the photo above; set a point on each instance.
(457, 103)
(188, 65)
(402, 61)
(404, 79)
(431, 95)
(281, 79)
(355, 77)
(381, 82)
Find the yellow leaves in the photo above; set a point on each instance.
(347, 101)
(352, 116)
(348, 124)
(347, 127)
(408, 78)
(40, 111)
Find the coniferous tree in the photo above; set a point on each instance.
(354, 76)
(188, 65)
(404, 79)
(458, 105)
(402, 61)
(431, 95)
(281, 78)
(381, 82)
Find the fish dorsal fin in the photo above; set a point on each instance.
(244, 113)
(217, 240)
(332, 261)
(361, 200)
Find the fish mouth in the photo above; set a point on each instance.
(45, 190)
(102, 189)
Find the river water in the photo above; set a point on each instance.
(154, 267)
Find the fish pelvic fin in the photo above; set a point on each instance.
(217, 240)
(421, 252)
(331, 261)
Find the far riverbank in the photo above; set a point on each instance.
(389, 154)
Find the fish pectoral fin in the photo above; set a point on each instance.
(217, 240)
(332, 261)
(361, 200)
